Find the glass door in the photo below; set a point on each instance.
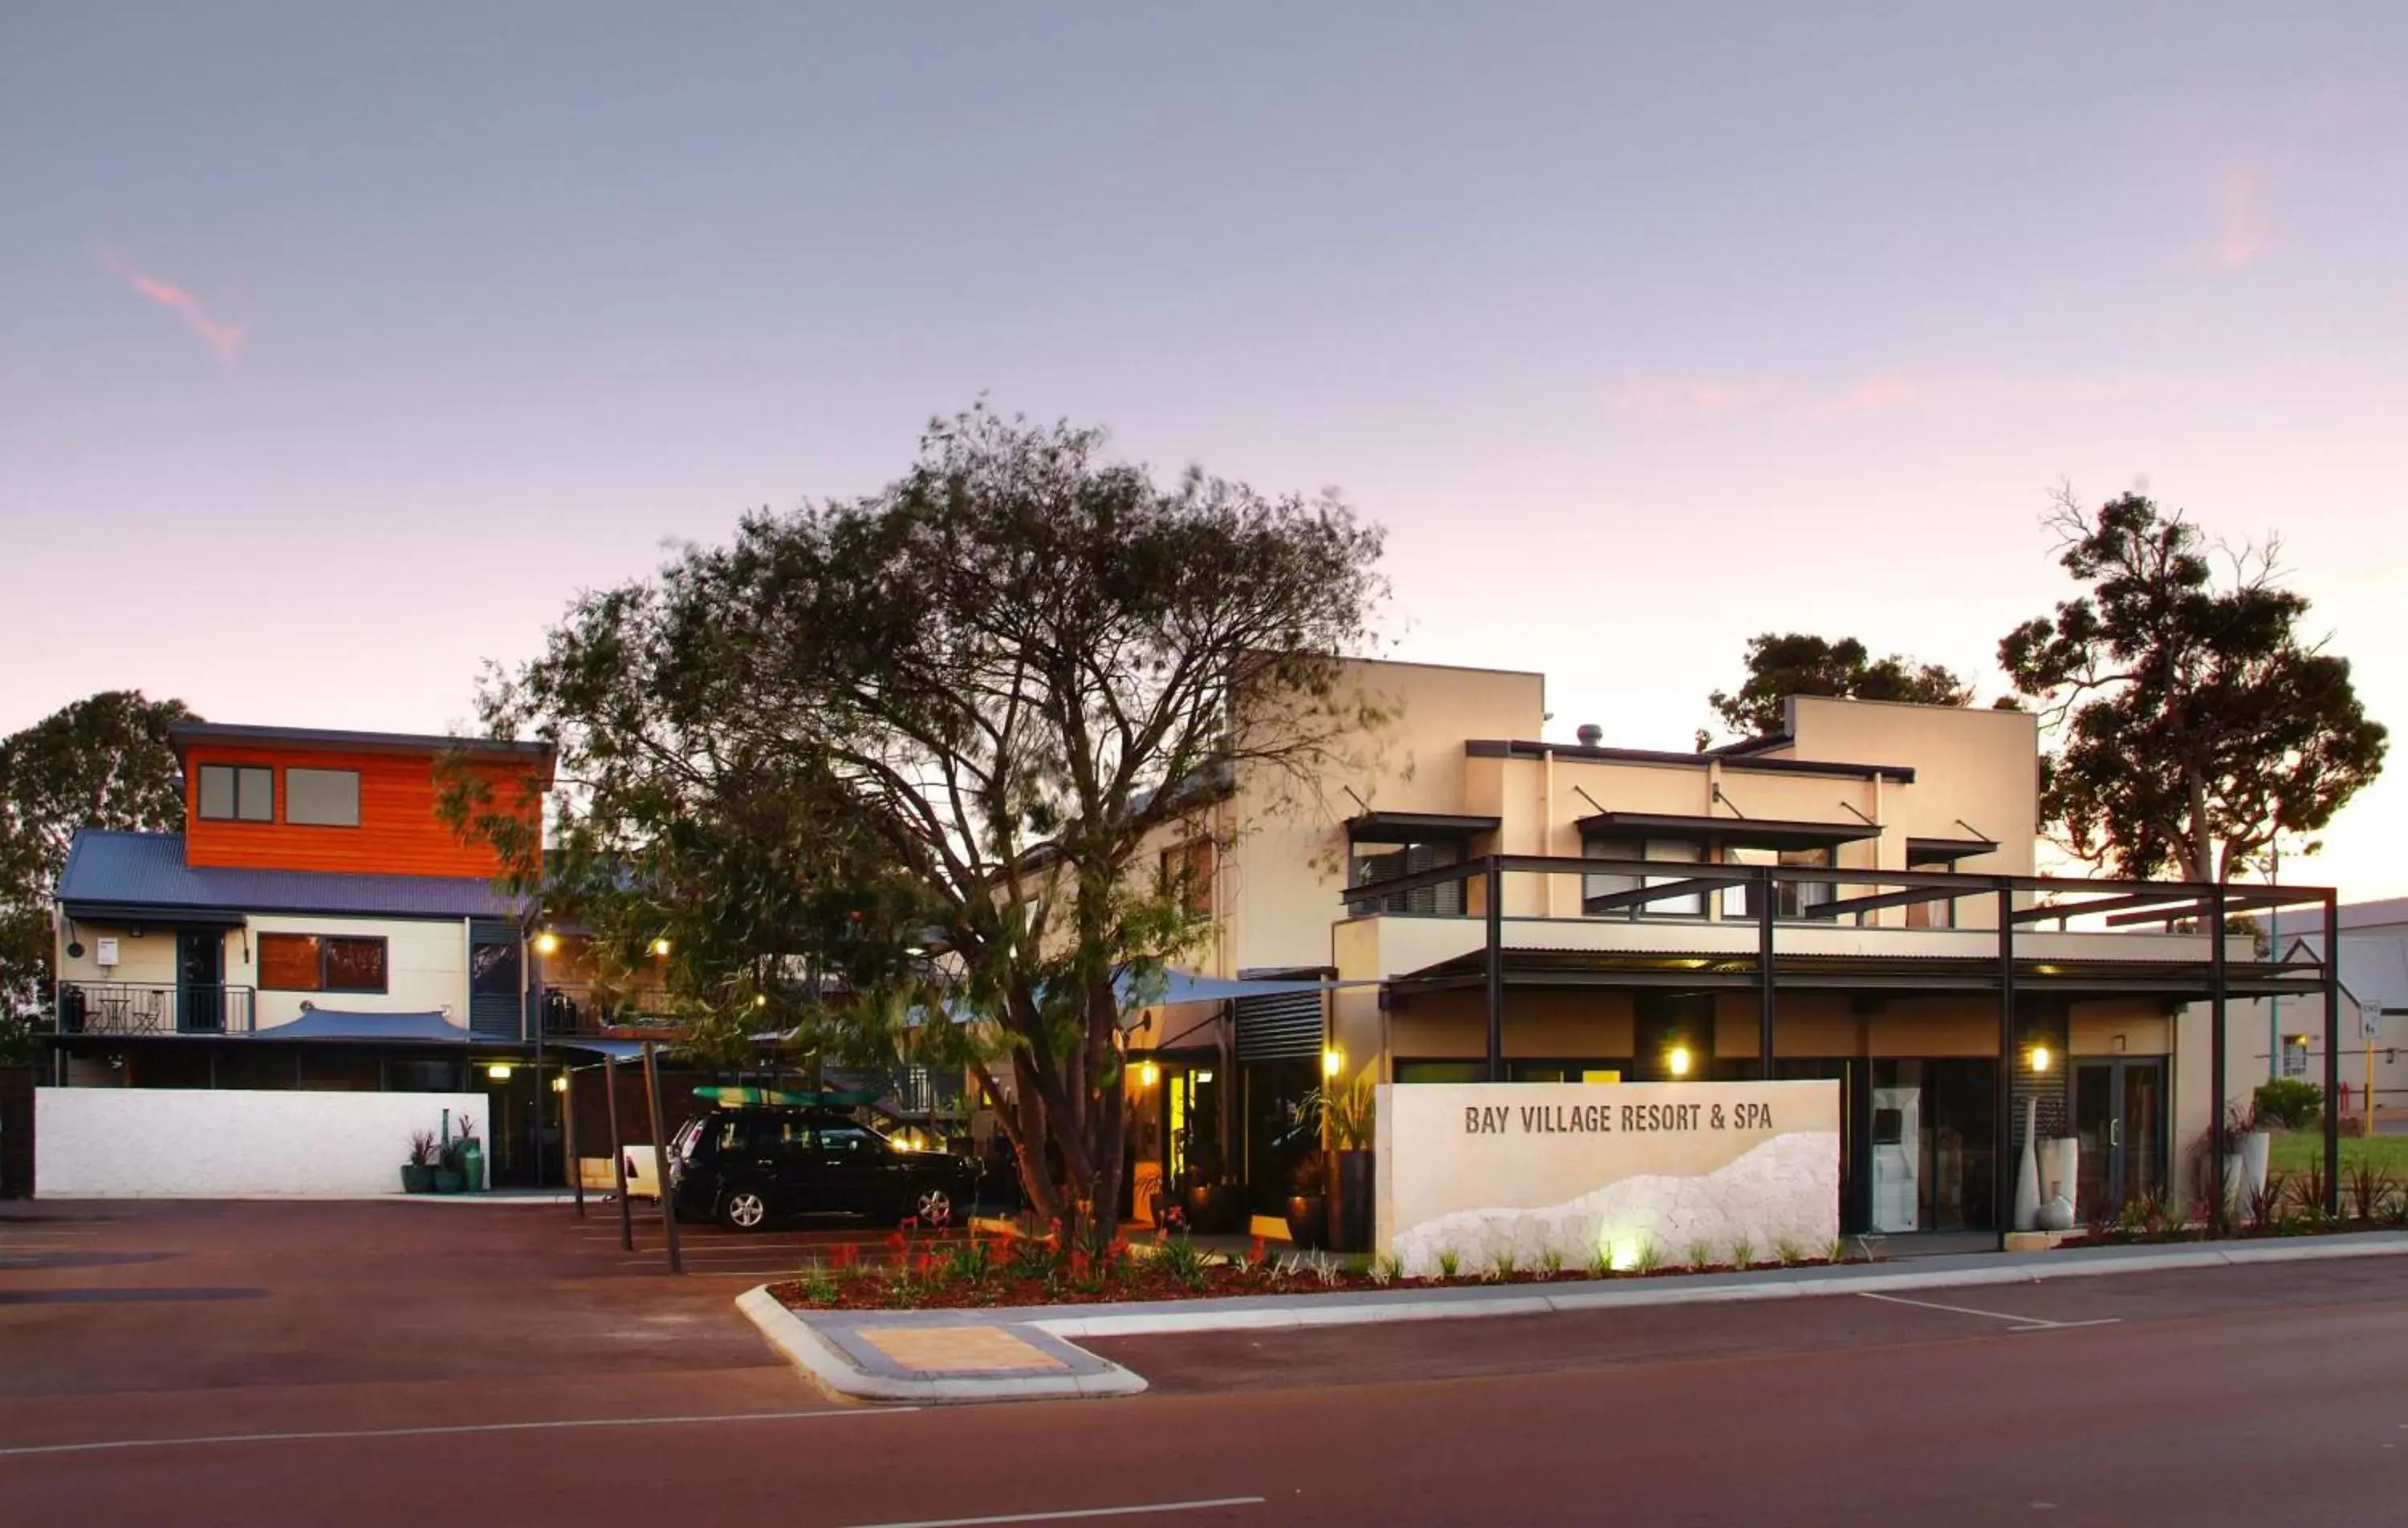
(2119, 1117)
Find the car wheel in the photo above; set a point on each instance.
(930, 1205)
(743, 1209)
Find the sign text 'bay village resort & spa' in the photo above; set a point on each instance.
(1852, 903)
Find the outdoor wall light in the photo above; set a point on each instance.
(1677, 1061)
(547, 943)
(1333, 1061)
(1203, 1076)
(560, 1084)
(2040, 1058)
(1148, 1074)
(499, 1071)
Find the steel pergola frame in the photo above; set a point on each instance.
(2021, 900)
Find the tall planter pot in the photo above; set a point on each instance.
(1351, 1190)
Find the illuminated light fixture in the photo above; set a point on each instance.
(1203, 1076)
(2040, 1058)
(499, 1071)
(915, 951)
(1148, 1074)
(560, 1084)
(1333, 1061)
(760, 1000)
(1678, 1061)
(661, 946)
(547, 943)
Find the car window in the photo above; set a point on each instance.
(848, 1140)
(732, 1139)
(785, 1136)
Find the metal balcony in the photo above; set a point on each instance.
(138, 1007)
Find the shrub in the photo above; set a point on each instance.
(1449, 1260)
(818, 1288)
(1743, 1253)
(1701, 1255)
(1551, 1261)
(2292, 1103)
(1184, 1260)
(1385, 1270)
(1503, 1267)
(1790, 1253)
(1600, 1261)
(2367, 1186)
(1647, 1260)
(1836, 1249)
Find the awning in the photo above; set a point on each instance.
(1187, 987)
(337, 1024)
(157, 915)
(1415, 827)
(614, 1050)
(1921, 851)
(1747, 832)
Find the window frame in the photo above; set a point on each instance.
(326, 943)
(1408, 856)
(234, 791)
(1688, 908)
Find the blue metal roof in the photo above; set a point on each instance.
(143, 875)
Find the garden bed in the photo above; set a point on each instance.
(1012, 1272)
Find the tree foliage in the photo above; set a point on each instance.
(919, 748)
(2195, 726)
(1795, 664)
(103, 761)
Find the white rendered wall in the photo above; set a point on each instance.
(120, 1143)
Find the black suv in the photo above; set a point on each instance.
(745, 1167)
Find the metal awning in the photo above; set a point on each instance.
(1745, 831)
(337, 1024)
(1415, 827)
(1947, 851)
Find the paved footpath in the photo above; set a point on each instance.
(1027, 1353)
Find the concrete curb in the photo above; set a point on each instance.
(1709, 1289)
(836, 1372)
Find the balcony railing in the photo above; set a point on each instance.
(138, 1007)
(580, 1007)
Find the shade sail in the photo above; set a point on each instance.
(337, 1024)
(1187, 987)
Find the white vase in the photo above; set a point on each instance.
(2060, 1165)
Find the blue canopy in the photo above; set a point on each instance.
(336, 1025)
(1187, 987)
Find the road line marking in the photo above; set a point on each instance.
(1067, 1515)
(110, 1445)
(2023, 1324)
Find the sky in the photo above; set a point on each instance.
(340, 346)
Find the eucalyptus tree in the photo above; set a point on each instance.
(927, 746)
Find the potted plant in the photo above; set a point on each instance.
(2248, 1148)
(1215, 1205)
(468, 1155)
(1308, 1208)
(1348, 1112)
(417, 1169)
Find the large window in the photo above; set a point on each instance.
(1666, 850)
(310, 963)
(1368, 860)
(1940, 914)
(327, 798)
(238, 793)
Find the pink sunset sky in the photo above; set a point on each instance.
(339, 352)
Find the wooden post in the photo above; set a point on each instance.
(618, 1151)
(661, 1156)
(569, 1136)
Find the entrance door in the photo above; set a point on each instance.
(2119, 1117)
(200, 991)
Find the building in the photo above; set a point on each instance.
(2276, 1038)
(315, 926)
(1853, 899)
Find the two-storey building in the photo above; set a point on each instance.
(315, 925)
(1856, 898)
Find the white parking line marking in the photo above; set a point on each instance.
(1069, 1516)
(110, 1445)
(2022, 1323)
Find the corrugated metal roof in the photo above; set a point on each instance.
(110, 869)
(402, 742)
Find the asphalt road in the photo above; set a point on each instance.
(2260, 1396)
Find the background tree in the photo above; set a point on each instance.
(103, 761)
(2195, 727)
(928, 742)
(1795, 664)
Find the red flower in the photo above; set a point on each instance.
(1257, 1253)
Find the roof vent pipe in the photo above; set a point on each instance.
(1590, 734)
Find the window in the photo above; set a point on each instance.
(1931, 914)
(326, 798)
(309, 962)
(493, 968)
(847, 1140)
(2295, 1055)
(238, 793)
(1187, 871)
(1791, 898)
(1368, 860)
(1668, 851)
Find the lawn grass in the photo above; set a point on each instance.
(2294, 1151)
